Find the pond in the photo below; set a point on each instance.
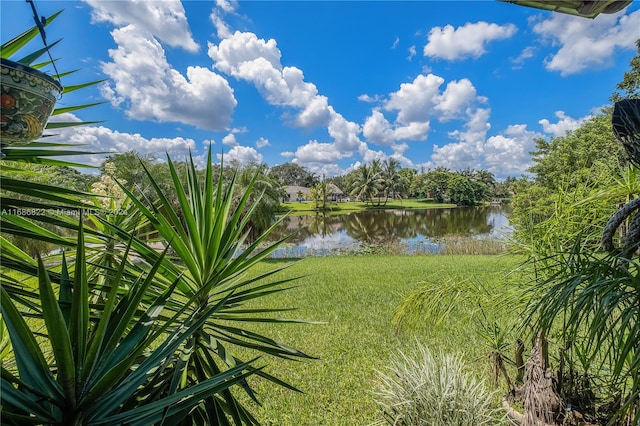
(409, 231)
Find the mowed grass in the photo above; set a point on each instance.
(342, 207)
(356, 298)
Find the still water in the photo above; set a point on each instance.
(411, 230)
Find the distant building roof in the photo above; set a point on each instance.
(294, 191)
(333, 189)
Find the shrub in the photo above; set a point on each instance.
(422, 389)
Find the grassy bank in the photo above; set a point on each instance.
(356, 297)
(354, 206)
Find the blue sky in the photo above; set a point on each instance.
(332, 85)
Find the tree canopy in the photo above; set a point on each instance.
(574, 178)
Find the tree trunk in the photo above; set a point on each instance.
(542, 404)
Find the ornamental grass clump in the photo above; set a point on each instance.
(423, 389)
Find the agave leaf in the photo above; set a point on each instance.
(36, 193)
(36, 210)
(165, 202)
(249, 339)
(23, 402)
(125, 311)
(181, 370)
(22, 226)
(32, 366)
(79, 322)
(26, 187)
(40, 144)
(17, 231)
(98, 337)
(73, 88)
(208, 368)
(179, 402)
(15, 252)
(167, 270)
(63, 124)
(5, 341)
(40, 152)
(189, 245)
(159, 355)
(62, 74)
(9, 48)
(58, 111)
(57, 333)
(41, 65)
(48, 161)
(19, 170)
(207, 232)
(28, 60)
(158, 220)
(65, 292)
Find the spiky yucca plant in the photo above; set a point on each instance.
(208, 234)
(108, 360)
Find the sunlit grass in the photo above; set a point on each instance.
(354, 206)
(469, 245)
(356, 297)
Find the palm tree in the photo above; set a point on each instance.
(319, 194)
(393, 181)
(266, 194)
(367, 183)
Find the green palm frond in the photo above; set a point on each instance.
(590, 297)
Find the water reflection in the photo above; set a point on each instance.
(412, 229)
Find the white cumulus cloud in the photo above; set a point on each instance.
(165, 19)
(379, 130)
(583, 44)
(230, 140)
(262, 142)
(317, 152)
(507, 154)
(245, 56)
(455, 98)
(467, 41)
(565, 124)
(105, 140)
(241, 155)
(148, 87)
(415, 101)
(468, 151)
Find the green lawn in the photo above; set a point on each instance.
(356, 297)
(351, 206)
